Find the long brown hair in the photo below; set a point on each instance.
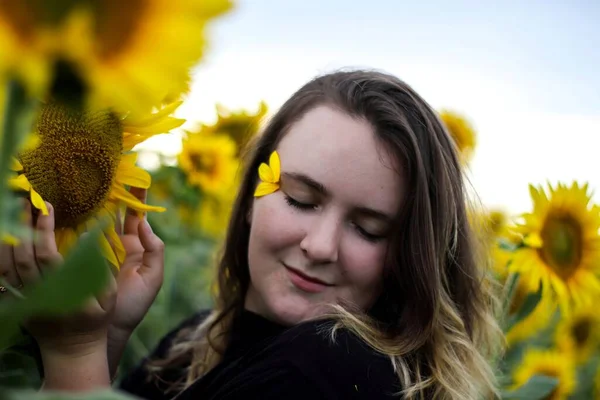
(435, 316)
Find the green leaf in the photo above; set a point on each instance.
(35, 395)
(17, 125)
(83, 274)
(530, 303)
(538, 387)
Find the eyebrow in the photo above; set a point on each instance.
(308, 181)
(318, 187)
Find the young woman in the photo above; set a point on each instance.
(349, 270)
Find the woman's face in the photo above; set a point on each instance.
(323, 236)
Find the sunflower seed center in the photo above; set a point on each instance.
(562, 249)
(75, 163)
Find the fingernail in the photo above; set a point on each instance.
(148, 226)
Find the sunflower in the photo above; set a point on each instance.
(209, 161)
(532, 324)
(241, 125)
(83, 165)
(28, 33)
(214, 212)
(548, 363)
(579, 334)
(138, 54)
(561, 244)
(462, 133)
(128, 57)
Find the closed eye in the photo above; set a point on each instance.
(299, 205)
(366, 235)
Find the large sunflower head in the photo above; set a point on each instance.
(561, 244)
(241, 125)
(462, 133)
(209, 161)
(579, 334)
(549, 363)
(27, 42)
(127, 56)
(135, 55)
(83, 164)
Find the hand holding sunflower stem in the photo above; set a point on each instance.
(73, 346)
(139, 279)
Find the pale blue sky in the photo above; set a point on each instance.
(524, 72)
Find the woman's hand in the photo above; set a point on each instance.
(73, 347)
(138, 281)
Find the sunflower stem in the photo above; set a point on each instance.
(17, 123)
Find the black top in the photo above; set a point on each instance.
(267, 361)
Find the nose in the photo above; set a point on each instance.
(322, 240)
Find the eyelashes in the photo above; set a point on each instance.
(312, 207)
(299, 205)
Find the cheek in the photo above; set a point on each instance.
(364, 264)
(274, 226)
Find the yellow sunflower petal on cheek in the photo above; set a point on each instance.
(265, 188)
(275, 165)
(266, 174)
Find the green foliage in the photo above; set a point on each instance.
(538, 387)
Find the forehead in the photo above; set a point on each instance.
(342, 153)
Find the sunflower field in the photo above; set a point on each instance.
(85, 82)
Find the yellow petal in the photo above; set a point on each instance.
(38, 202)
(265, 188)
(65, 240)
(154, 118)
(16, 165)
(20, 182)
(120, 193)
(275, 165)
(533, 240)
(265, 173)
(133, 176)
(108, 252)
(161, 127)
(130, 141)
(10, 239)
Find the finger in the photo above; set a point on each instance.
(108, 297)
(24, 254)
(7, 266)
(131, 216)
(45, 249)
(154, 249)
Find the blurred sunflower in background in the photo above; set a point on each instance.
(548, 363)
(240, 125)
(534, 323)
(209, 161)
(561, 247)
(82, 166)
(127, 57)
(462, 132)
(579, 334)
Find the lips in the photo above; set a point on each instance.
(305, 282)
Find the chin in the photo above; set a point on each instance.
(294, 309)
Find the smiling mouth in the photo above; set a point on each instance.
(305, 282)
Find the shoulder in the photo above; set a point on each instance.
(340, 363)
(138, 381)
